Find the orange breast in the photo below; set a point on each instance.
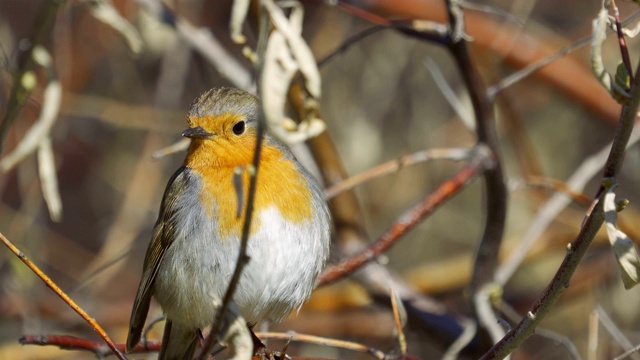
(279, 184)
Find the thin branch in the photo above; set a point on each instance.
(615, 332)
(243, 258)
(592, 342)
(52, 285)
(628, 353)
(24, 79)
(104, 11)
(495, 187)
(513, 315)
(555, 185)
(362, 13)
(67, 342)
(530, 69)
(479, 162)
(470, 329)
(578, 248)
(49, 180)
(624, 50)
(399, 318)
(455, 154)
(311, 339)
(38, 137)
(350, 42)
(482, 304)
(46, 119)
(446, 90)
(178, 146)
(203, 41)
(550, 210)
(492, 10)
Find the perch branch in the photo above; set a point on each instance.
(52, 285)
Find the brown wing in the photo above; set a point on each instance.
(160, 242)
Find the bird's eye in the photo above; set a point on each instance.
(238, 128)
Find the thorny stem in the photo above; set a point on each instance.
(577, 249)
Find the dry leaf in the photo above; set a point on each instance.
(238, 15)
(287, 54)
(623, 247)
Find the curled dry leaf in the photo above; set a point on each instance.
(104, 11)
(600, 24)
(287, 54)
(48, 115)
(37, 138)
(622, 245)
(239, 12)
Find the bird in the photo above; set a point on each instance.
(196, 238)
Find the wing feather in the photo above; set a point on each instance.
(161, 240)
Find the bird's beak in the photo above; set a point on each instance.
(196, 133)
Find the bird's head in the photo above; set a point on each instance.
(222, 126)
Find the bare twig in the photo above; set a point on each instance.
(624, 50)
(400, 319)
(68, 342)
(203, 41)
(350, 42)
(243, 258)
(492, 10)
(48, 179)
(483, 305)
(555, 185)
(470, 329)
(550, 210)
(495, 187)
(24, 79)
(47, 117)
(628, 353)
(40, 138)
(456, 154)
(479, 162)
(178, 146)
(566, 74)
(449, 95)
(592, 346)
(577, 249)
(104, 11)
(311, 339)
(530, 69)
(616, 334)
(513, 315)
(496, 191)
(52, 285)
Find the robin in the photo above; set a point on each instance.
(195, 243)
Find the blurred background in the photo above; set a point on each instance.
(124, 101)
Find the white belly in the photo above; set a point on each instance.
(285, 260)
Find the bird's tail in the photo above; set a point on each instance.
(178, 343)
